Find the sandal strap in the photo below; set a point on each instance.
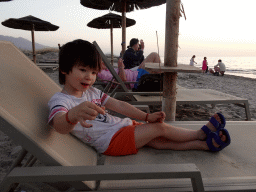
(216, 137)
(206, 130)
(216, 124)
(223, 120)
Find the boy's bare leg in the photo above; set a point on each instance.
(147, 132)
(176, 138)
(163, 143)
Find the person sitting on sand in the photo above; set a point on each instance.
(220, 67)
(79, 109)
(128, 74)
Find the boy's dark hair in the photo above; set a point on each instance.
(75, 51)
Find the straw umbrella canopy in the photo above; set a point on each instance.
(122, 6)
(110, 21)
(32, 24)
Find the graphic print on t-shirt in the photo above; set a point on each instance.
(100, 117)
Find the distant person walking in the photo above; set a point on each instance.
(192, 61)
(204, 65)
(59, 46)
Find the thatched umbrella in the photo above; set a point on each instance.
(122, 6)
(110, 21)
(171, 45)
(32, 24)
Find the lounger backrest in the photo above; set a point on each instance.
(24, 93)
(110, 67)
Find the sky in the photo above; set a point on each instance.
(212, 28)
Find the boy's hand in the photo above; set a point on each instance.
(85, 111)
(156, 117)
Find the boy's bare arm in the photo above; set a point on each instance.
(81, 113)
(125, 109)
(132, 112)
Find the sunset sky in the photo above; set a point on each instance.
(212, 28)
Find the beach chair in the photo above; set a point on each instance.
(53, 66)
(184, 96)
(24, 93)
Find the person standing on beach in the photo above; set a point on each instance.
(192, 61)
(204, 65)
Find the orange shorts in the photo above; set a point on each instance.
(123, 141)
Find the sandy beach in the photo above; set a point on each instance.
(237, 86)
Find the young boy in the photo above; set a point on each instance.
(79, 109)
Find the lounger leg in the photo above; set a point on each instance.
(197, 183)
(29, 163)
(247, 111)
(16, 163)
(6, 185)
(18, 160)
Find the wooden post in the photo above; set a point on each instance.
(111, 37)
(123, 26)
(33, 43)
(170, 58)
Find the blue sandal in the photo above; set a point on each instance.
(215, 123)
(215, 135)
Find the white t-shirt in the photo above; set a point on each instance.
(104, 126)
(221, 65)
(191, 62)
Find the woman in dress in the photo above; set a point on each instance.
(204, 65)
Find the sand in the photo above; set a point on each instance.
(237, 86)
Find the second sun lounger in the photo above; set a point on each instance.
(184, 96)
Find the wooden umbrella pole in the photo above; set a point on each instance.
(33, 43)
(170, 58)
(111, 36)
(123, 26)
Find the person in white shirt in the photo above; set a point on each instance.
(220, 67)
(192, 61)
(79, 109)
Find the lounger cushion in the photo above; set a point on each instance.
(234, 161)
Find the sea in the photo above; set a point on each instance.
(238, 66)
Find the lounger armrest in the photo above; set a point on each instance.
(139, 93)
(104, 172)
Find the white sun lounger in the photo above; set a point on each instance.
(24, 93)
(53, 66)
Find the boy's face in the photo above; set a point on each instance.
(79, 79)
